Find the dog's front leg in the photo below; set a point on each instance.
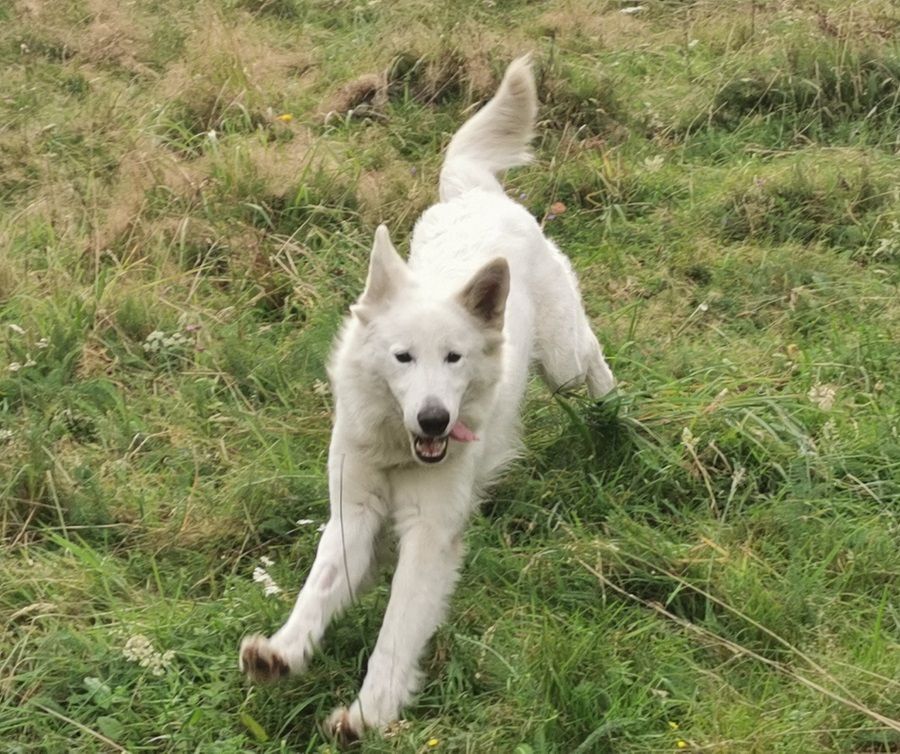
(430, 524)
(343, 560)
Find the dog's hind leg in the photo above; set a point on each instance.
(568, 352)
(344, 559)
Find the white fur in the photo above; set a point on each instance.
(450, 297)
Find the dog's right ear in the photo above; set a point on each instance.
(387, 274)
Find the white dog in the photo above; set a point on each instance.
(428, 376)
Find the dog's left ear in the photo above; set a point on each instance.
(485, 294)
(387, 274)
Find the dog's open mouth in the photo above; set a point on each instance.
(433, 449)
(430, 449)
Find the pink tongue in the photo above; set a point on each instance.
(461, 433)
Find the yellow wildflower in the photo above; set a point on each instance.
(681, 744)
(284, 117)
(432, 742)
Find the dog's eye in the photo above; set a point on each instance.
(453, 357)
(404, 357)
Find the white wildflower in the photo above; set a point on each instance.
(889, 246)
(266, 561)
(160, 662)
(14, 366)
(140, 649)
(42, 344)
(829, 432)
(305, 522)
(652, 164)
(137, 648)
(153, 341)
(16, 329)
(688, 439)
(261, 576)
(693, 43)
(822, 396)
(159, 340)
(632, 10)
(320, 387)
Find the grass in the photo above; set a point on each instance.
(708, 562)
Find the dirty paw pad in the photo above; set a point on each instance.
(260, 661)
(340, 728)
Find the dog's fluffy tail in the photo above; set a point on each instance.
(494, 139)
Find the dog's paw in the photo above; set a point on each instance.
(342, 727)
(260, 660)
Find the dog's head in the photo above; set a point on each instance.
(439, 356)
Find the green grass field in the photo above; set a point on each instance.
(709, 561)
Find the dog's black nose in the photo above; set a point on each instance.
(433, 420)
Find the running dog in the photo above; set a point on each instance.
(428, 375)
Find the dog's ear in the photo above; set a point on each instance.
(485, 294)
(387, 274)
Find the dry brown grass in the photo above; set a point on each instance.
(429, 61)
(394, 195)
(144, 167)
(279, 165)
(103, 33)
(114, 35)
(228, 64)
(465, 60)
(592, 21)
(9, 277)
(369, 90)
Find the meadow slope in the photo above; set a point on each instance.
(707, 561)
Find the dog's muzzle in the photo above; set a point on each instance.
(431, 445)
(434, 449)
